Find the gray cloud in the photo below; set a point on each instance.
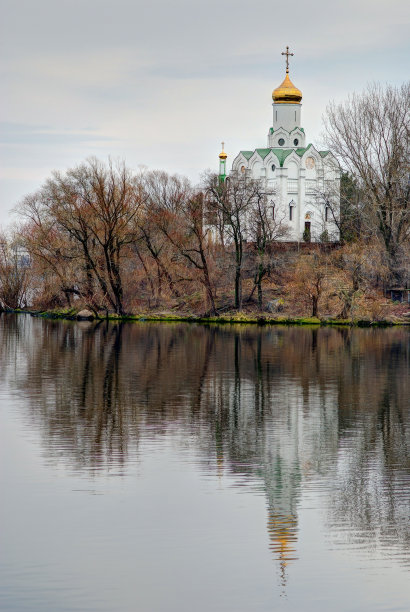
(21, 134)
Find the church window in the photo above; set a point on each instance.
(290, 212)
(281, 142)
(243, 169)
(296, 142)
(273, 167)
(327, 214)
(273, 212)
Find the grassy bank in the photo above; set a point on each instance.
(237, 317)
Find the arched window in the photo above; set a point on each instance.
(291, 207)
(326, 213)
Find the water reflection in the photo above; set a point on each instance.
(290, 409)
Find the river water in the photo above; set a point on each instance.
(181, 467)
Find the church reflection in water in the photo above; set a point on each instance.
(284, 407)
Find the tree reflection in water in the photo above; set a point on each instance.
(286, 407)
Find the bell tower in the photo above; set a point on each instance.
(286, 110)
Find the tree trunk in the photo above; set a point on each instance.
(315, 300)
(238, 287)
(67, 297)
(205, 274)
(159, 279)
(259, 282)
(148, 276)
(100, 279)
(260, 294)
(209, 291)
(238, 273)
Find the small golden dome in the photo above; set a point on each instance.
(287, 93)
(222, 155)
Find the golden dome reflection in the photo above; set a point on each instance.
(287, 93)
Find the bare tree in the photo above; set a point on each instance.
(164, 196)
(265, 225)
(310, 279)
(56, 260)
(356, 268)
(93, 205)
(369, 133)
(228, 206)
(189, 234)
(14, 274)
(340, 210)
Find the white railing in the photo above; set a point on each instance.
(292, 185)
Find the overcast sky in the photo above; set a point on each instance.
(161, 84)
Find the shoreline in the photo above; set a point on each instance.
(240, 317)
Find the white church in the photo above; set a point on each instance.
(302, 184)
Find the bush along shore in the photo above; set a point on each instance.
(73, 314)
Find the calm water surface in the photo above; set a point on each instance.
(156, 467)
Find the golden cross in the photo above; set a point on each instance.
(287, 57)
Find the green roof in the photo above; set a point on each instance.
(263, 152)
(280, 153)
(247, 154)
(271, 130)
(303, 150)
(324, 153)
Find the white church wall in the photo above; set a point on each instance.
(286, 116)
(293, 170)
(256, 167)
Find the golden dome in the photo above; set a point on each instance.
(222, 154)
(287, 93)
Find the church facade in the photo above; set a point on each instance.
(302, 184)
